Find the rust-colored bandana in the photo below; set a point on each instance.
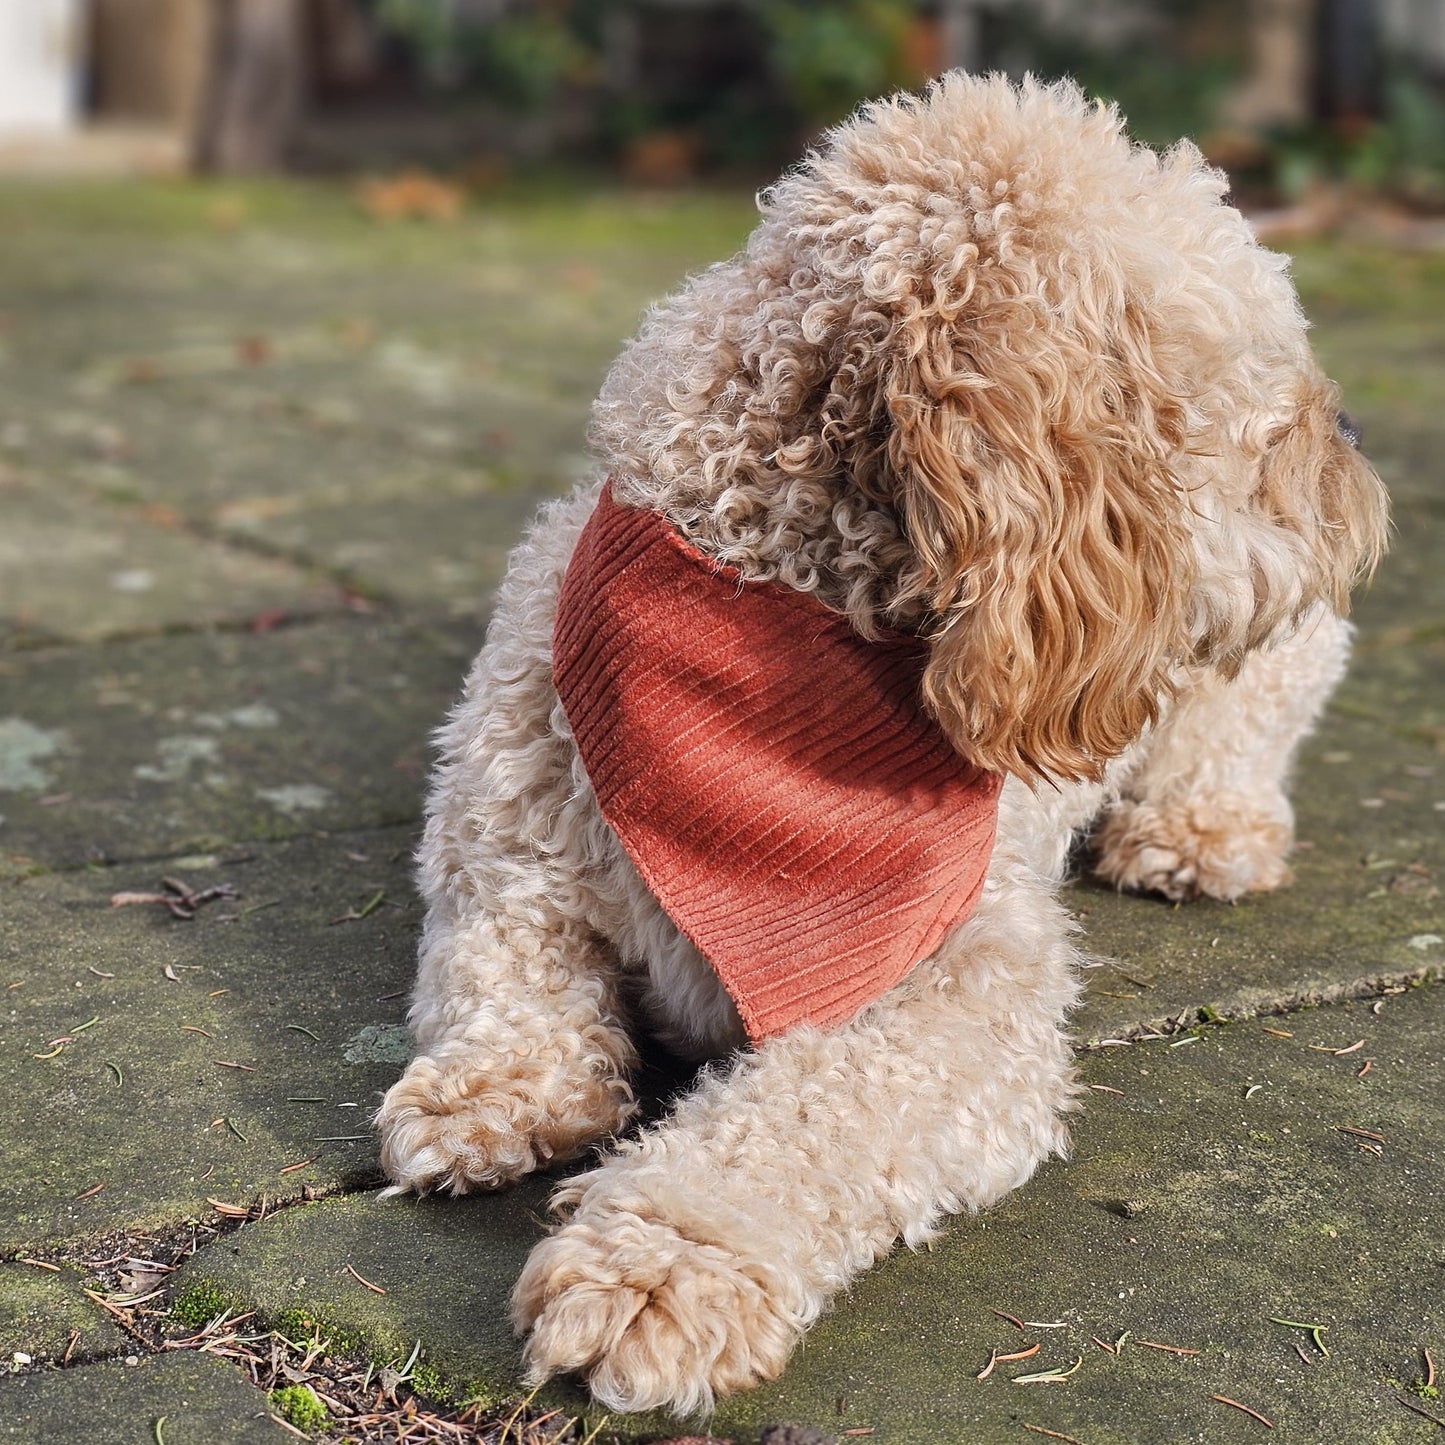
(772, 775)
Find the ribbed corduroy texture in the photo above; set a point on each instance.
(772, 775)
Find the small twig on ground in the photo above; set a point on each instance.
(229, 1211)
(1253, 1414)
(353, 915)
(177, 897)
(1049, 1377)
(1421, 1410)
(374, 1288)
(997, 1359)
(1315, 1330)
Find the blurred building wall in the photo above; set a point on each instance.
(41, 53)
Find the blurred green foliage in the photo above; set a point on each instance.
(1401, 155)
(743, 83)
(832, 57)
(522, 57)
(1171, 97)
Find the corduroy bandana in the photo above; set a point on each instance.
(772, 775)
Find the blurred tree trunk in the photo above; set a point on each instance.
(960, 24)
(258, 84)
(1276, 92)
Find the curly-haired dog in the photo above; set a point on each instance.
(993, 383)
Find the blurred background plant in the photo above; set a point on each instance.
(1296, 98)
(521, 55)
(829, 58)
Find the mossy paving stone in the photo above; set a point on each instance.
(202, 1400)
(1364, 906)
(264, 376)
(137, 1101)
(43, 1314)
(430, 548)
(78, 571)
(318, 463)
(159, 745)
(1194, 1209)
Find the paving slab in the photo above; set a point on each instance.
(1365, 904)
(79, 570)
(159, 745)
(157, 1101)
(154, 1064)
(44, 1317)
(197, 1400)
(296, 456)
(267, 362)
(1215, 1184)
(430, 547)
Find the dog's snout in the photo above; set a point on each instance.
(1348, 428)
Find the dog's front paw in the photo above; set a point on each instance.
(1218, 846)
(651, 1318)
(462, 1119)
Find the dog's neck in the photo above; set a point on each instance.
(818, 535)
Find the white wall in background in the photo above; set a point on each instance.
(1417, 27)
(40, 64)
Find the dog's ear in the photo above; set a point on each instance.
(1030, 465)
(1314, 483)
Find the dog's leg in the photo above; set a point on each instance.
(524, 1062)
(1206, 812)
(693, 1259)
(523, 1056)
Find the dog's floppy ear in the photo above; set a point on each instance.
(1030, 466)
(1342, 518)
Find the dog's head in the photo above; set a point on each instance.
(1066, 368)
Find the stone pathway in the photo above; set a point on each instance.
(261, 460)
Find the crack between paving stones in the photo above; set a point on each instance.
(36, 642)
(1194, 1017)
(1392, 985)
(201, 530)
(140, 860)
(406, 621)
(374, 1399)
